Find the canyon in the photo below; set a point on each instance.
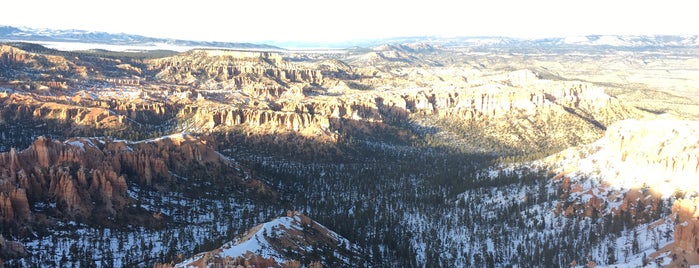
(411, 154)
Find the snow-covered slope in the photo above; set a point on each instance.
(660, 154)
(294, 238)
(629, 195)
(634, 175)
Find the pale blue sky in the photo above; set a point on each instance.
(336, 21)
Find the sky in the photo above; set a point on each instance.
(338, 21)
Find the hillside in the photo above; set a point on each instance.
(290, 241)
(643, 162)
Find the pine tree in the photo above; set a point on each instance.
(611, 256)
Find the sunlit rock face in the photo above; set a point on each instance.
(79, 114)
(660, 154)
(667, 149)
(655, 158)
(266, 92)
(631, 170)
(515, 108)
(686, 213)
(232, 69)
(11, 56)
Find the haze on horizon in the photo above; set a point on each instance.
(325, 22)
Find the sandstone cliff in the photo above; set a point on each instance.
(523, 113)
(86, 179)
(212, 90)
(36, 65)
(15, 57)
(685, 248)
(82, 115)
(687, 227)
(660, 154)
(233, 69)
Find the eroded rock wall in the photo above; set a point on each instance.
(86, 178)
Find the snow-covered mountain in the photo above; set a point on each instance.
(633, 40)
(564, 42)
(10, 33)
(294, 239)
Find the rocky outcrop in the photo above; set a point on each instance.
(684, 250)
(75, 177)
(11, 56)
(494, 101)
(32, 63)
(86, 179)
(668, 147)
(687, 224)
(661, 154)
(19, 107)
(15, 57)
(546, 115)
(146, 112)
(232, 69)
(14, 205)
(464, 104)
(289, 121)
(578, 199)
(79, 115)
(630, 172)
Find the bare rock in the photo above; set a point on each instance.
(687, 224)
(86, 178)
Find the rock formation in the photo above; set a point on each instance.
(685, 248)
(74, 176)
(629, 172)
(87, 178)
(78, 115)
(232, 69)
(687, 224)
(660, 154)
(211, 90)
(12, 56)
(565, 113)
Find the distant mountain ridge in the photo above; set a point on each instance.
(10, 33)
(584, 41)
